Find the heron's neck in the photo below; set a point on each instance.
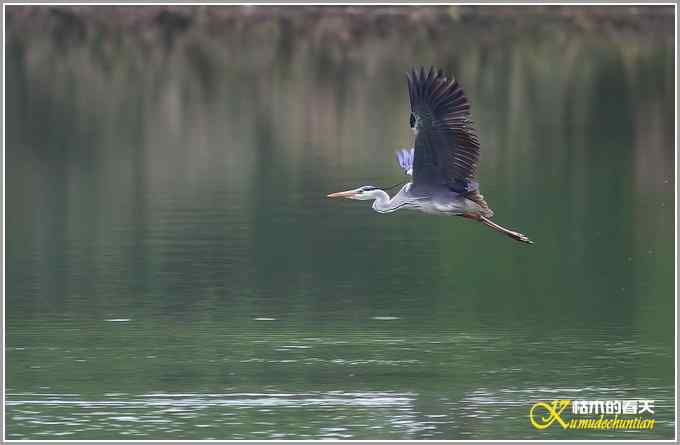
(383, 203)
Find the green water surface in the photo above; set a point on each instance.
(175, 271)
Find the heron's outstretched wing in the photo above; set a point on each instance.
(446, 147)
(405, 160)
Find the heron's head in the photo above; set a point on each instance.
(363, 193)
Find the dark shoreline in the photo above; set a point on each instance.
(82, 20)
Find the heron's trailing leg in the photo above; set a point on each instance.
(512, 234)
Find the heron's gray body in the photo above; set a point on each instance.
(433, 201)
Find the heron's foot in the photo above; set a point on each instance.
(519, 237)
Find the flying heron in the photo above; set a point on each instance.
(444, 159)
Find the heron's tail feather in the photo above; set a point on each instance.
(478, 199)
(511, 233)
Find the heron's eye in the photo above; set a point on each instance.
(412, 121)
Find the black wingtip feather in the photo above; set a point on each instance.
(432, 92)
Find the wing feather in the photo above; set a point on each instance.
(447, 146)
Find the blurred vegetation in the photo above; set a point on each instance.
(180, 59)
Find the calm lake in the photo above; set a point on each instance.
(175, 270)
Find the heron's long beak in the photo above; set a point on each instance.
(345, 194)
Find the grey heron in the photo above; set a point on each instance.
(444, 159)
